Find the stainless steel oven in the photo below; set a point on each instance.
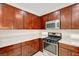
(51, 42)
(51, 47)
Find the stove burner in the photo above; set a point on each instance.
(53, 38)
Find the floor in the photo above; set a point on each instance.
(44, 53)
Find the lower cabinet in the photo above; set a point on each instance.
(30, 47)
(27, 48)
(68, 50)
(64, 52)
(13, 50)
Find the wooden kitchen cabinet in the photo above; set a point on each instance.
(30, 47)
(66, 18)
(32, 21)
(18, 21)
(6, 16)
(75, 16)
(27, 21)
(54, 15)
(68, 50)
(64, 52)
(43, 21)
(13, 50)
(36, 22)
(41, 45)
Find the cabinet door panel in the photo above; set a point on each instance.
(25, 50)
(27, 21)
(75, 16)
(7, 16)
(36, 24)
(54, 15)
(18, 22)
(30, 47)
(13, 50)
(66, 18)
(64, 52)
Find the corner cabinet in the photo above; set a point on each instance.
(66, 18)
(68, 50)
(30, 47)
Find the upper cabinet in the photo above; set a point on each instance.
(75, 16)
(15, 18)
(6, 16)
(66, 18)
(18, 21)
(31, 21)
(54, 15)
(36, 23)
(27, 21)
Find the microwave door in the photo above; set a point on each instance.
(50, 25)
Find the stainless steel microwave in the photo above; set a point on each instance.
(55, 24)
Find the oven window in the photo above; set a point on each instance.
(51, 48)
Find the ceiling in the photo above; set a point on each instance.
(40, 8)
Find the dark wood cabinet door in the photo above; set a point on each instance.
(64, 52)
(36, 45)
(13, 50)
(33, 46)
(18, 21)
(7, 16)
(75, 16)
(66, 18)
(28, 21)
(43, 20)
(54, 15)
(41, 45)
(30, 47)
(36, 23)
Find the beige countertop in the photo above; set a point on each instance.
(70, 42)
(10, 37)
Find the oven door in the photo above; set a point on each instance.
(53, 48)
